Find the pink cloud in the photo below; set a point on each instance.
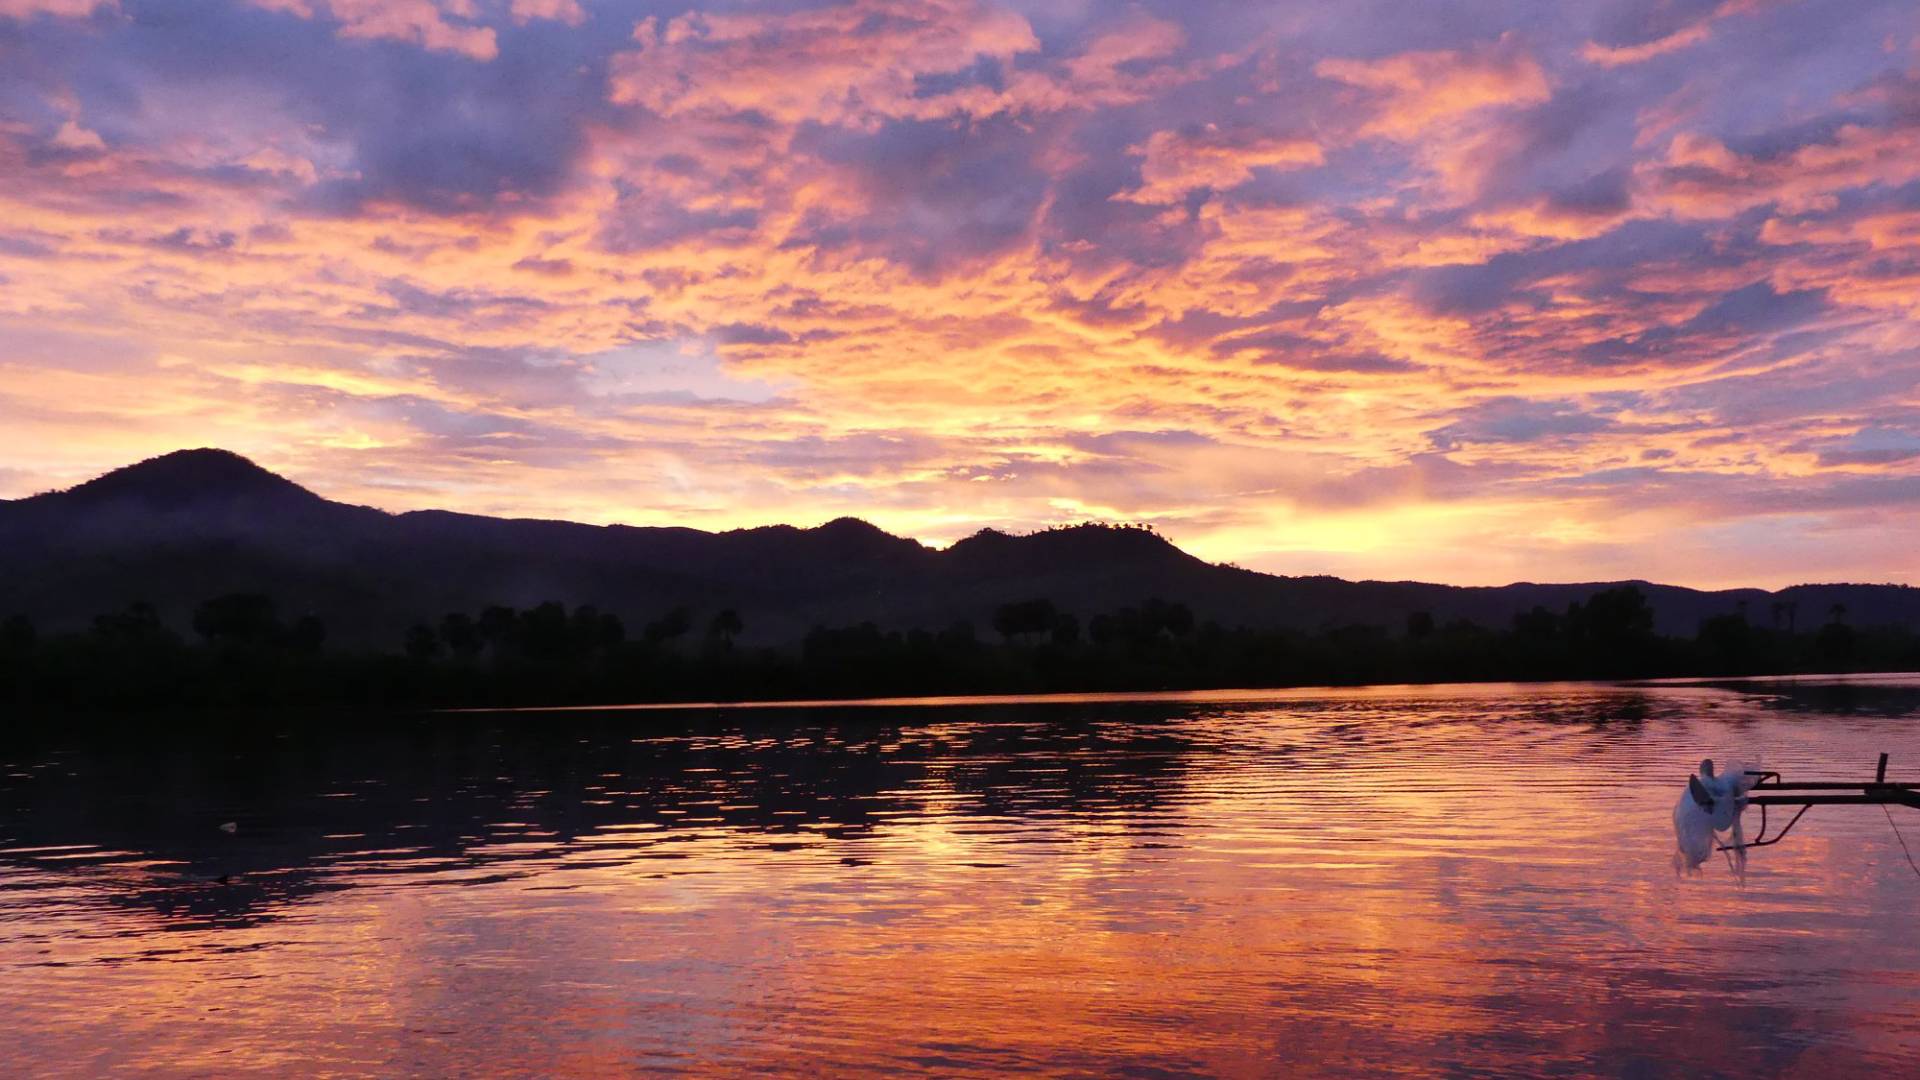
(565, 11)
(72, 136)
(418, 22)
(1677, 40)
(66, 9)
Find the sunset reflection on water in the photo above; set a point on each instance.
(1455, 880)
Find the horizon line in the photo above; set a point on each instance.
(934, 545)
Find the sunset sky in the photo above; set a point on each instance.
(1470, 292)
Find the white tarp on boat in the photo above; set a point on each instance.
(1710, 805)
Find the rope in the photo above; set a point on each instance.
(1902, 839)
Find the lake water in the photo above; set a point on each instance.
(1453, 880)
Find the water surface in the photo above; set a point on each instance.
(1452, 880)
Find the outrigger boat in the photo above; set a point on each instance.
(1770, 789)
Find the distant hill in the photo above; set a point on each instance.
(178, 529)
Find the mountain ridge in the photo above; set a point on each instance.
(179, 528)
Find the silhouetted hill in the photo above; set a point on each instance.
(189, 495)
(184, 480)
(181, 528)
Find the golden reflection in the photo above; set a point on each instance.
(1219, 883)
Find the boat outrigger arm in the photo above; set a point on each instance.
(1771, 790)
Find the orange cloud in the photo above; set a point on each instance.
(1621, 55)
(1418, 90)
(1701, 177)
(1180, 161)
(1449, 106)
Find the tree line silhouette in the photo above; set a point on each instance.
(243, 651)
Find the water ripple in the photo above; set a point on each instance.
(1468, 880)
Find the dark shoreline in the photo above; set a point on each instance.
(549, 656)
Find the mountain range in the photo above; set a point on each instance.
(177, 529)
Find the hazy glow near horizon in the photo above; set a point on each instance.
(1468, 293)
